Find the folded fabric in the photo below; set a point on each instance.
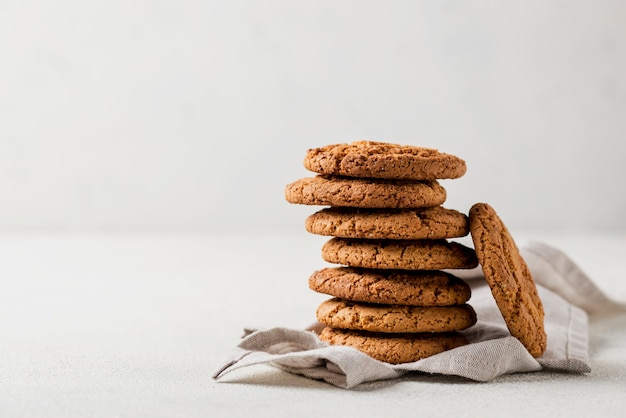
(567, 294)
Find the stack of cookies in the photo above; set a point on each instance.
(392, 240)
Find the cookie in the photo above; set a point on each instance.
(340, 313)
(508, 277)
(394, 287)
(430, 223)
(400, 255)
(365, 193)
(383, 160)
(394, 348)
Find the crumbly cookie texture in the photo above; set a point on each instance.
(402, 255)
(365, 193)
(429, 223)
(508, 276)
(384, 160)
(394, 348)
(339, 313)
(394, 287)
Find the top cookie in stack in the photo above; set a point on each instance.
(384, 161)
(391, 234)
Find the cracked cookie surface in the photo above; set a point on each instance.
(508, 276)
(400, 287)
(399, 255)
(384, 160)
(429, 223)
(365, 193)
(343, 314)
(394, 348)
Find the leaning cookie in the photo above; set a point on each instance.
(394, 348)
(400, 255)
(429, 223)
(384, 160)
(339, 313)
(508, 277)
(365, 193)
(393, 287)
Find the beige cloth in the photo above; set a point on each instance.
(567, 295)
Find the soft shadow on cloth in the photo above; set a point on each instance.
(568, 296)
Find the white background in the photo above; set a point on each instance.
(194, 115)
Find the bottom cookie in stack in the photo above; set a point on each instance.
(395, 349)
(393, 316)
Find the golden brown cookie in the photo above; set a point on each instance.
(340, 313)
(383, 160)
(429, 223)
(395, 348)
(365, 193)
(399, 254)
(508, 276)
(394, 287)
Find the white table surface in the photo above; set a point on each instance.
(134, 325)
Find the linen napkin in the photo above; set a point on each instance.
(567, 294)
